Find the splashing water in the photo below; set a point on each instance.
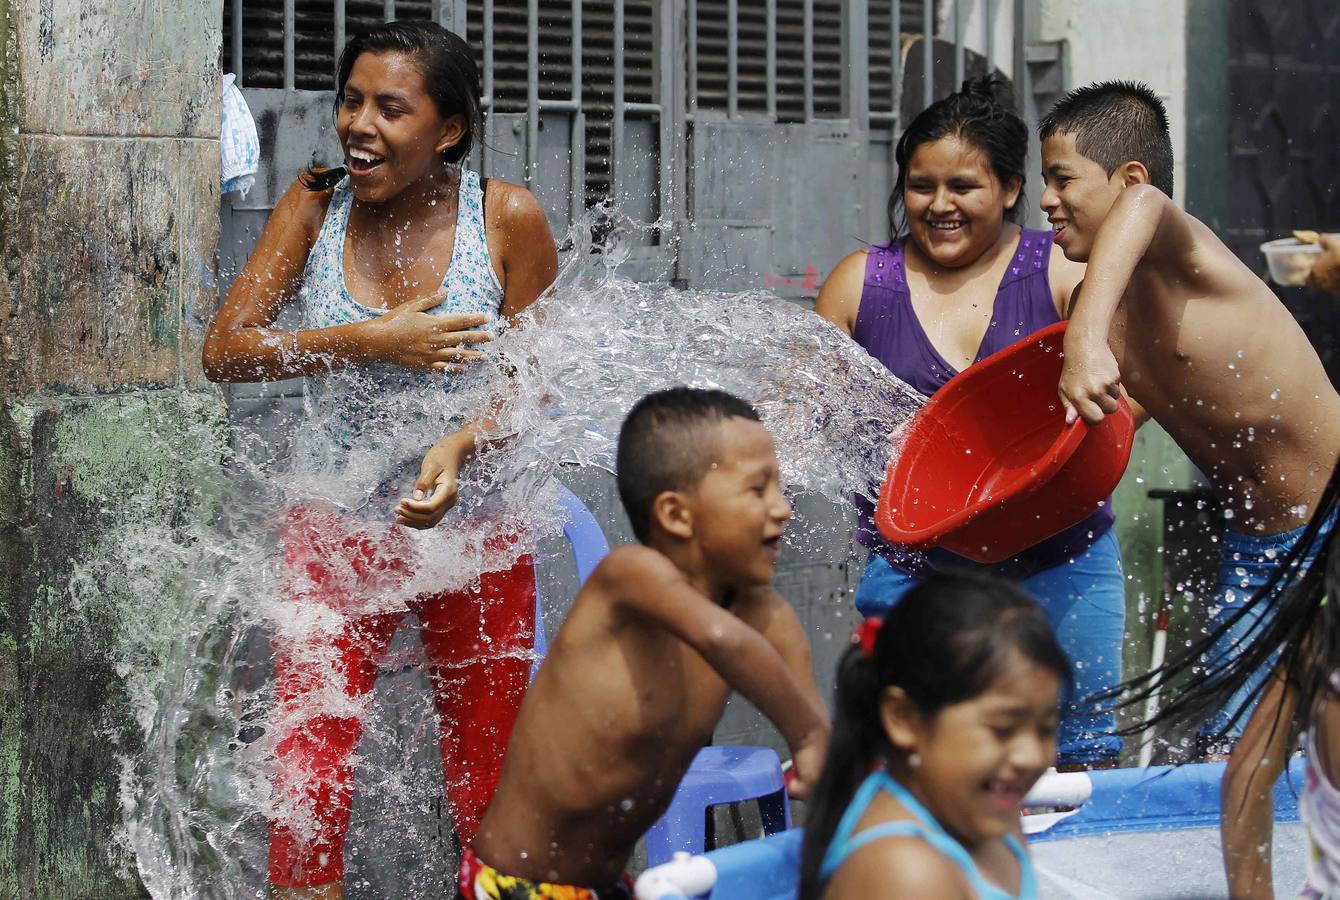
(198, 780)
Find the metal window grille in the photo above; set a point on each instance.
(759, 57)
(575, 51)
(295, 43)
(788, 56)
(589, 99)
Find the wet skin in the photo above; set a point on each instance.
(398, 247)
(1195, 337)
(403, 228)
(638, 676)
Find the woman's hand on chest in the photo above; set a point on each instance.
(408, 335)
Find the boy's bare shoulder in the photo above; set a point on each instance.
(635, 565)
(1181, 239)
(761, 599)
(635, 558)
(1208, 267)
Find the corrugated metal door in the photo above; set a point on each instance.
(758, 133)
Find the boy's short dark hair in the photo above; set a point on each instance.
(667, 444)
(1115, 122)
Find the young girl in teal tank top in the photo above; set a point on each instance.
(943, 721)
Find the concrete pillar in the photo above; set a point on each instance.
(109, 170)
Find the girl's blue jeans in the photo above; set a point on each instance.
(1085, 599)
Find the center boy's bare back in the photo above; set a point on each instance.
(609, 727)
(1216, 359)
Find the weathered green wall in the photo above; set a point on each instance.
(109, 167)
(9, 492)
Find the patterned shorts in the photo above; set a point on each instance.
(480, 881)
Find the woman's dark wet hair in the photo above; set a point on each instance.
(946, 641)
(449, 71)
(1294, 628)
(981, 113)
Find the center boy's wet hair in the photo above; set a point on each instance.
(667, 443)
(1115, 122)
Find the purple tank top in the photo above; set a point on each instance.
(889, 330)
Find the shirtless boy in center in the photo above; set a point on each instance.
(658, 638)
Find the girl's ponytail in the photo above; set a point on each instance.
(857, 745)
(982, 114)
(319, 180)
(991, 91)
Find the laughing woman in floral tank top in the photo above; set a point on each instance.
(401, 261)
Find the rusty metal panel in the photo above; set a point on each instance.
(823, 180)
(879, 175)
(553, 185)
(733, 169)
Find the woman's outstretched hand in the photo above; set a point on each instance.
(435, 491)
(406, 335)
(1325, 274)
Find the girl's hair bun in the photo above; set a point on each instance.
(991, 90)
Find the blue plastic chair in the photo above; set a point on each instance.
(589, 547)
(717, 774)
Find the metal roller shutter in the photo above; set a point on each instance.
(555, 53)
(315, 56)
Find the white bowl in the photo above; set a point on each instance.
(1290, 260)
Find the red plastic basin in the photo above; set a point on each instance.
(988, 467)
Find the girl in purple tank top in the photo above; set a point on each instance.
(963, 282)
